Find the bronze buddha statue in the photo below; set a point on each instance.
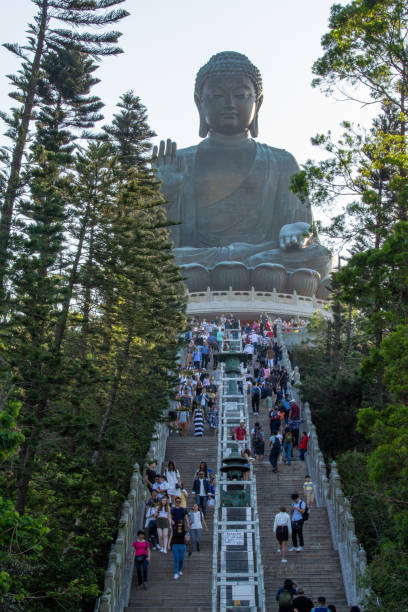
(238, 223)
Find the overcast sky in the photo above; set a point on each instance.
(165, 43)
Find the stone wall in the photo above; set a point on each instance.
(118, 576)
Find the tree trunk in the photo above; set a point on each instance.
(121, 365)
(328, 342)
(62, 321)
(348, 336)
(87, 294)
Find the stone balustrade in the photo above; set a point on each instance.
(290, 304)
(329, 493)
(118, 576)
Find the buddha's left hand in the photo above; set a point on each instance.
(294, 235)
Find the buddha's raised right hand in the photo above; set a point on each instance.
(170, 166)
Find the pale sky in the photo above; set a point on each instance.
(165, 43)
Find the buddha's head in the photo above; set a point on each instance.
(228, 94)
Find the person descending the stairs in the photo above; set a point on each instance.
(178, 546)
(201, 488)
(198, 419)
(308, 488)
(197, 522)
(142, 558)
(163, 523)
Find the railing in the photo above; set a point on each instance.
(352, 555)
(118, 576)
(232, 340)
(235, 528)
(294, 336)
(272, 301)
(329, 493)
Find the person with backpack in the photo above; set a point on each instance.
(285, 594)
(298, 511)
(142, 558)
(256, 397)
(275, 446)
(321, 605)
(274, 420)
(287, 446)
(258, 442)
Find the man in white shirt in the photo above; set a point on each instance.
(254, 339)
(249, 350)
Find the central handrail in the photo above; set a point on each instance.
(248, 583)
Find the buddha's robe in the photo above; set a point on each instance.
(245, 225)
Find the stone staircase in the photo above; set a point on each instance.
(317, 568)
(192, 592)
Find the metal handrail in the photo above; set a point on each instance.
(227, 419)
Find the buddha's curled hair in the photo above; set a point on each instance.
(229, 63)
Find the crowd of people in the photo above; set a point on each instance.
(169, 525)
(293, 324)
(292, 598)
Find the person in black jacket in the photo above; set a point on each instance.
(301, 603)
(201, 488)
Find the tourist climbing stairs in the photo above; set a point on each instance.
(316, 569)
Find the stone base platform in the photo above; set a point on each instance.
(250, 303)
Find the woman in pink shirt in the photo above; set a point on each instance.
(142, 557)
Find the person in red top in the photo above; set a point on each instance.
(303, 446)
(142, 558)
(240, 435)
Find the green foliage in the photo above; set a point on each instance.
(51, 53)
(394, 353)
(360, 358)
(323, 389)
(366, 46)
(90, 339)
(10, 437)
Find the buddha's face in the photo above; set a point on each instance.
(228, 104)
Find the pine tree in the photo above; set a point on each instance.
(130, 132)
(44, 271)
(46, 35)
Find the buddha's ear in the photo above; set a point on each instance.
(204, 127)
(253, 128)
